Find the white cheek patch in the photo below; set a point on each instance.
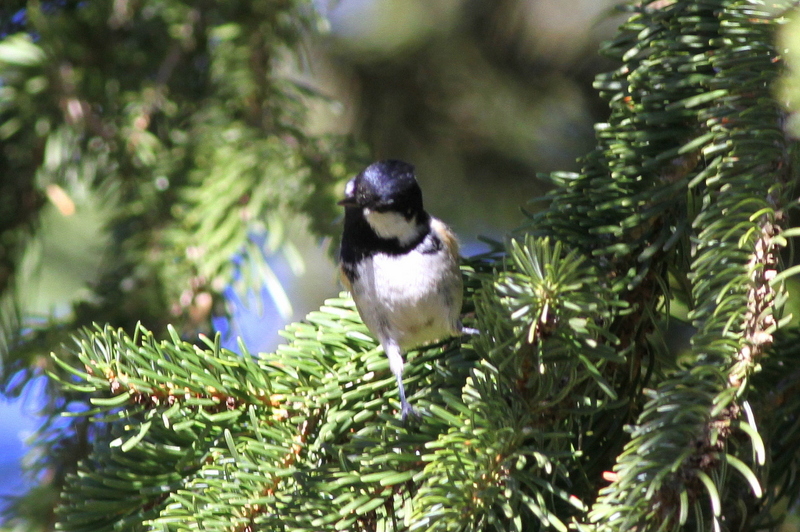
(393, 225)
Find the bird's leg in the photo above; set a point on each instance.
(396, 365)
(405, 407)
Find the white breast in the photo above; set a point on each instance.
(410, 299)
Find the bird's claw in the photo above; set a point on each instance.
(407, 410)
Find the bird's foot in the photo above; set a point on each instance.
(407, 410)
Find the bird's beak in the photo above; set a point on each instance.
(348, 202)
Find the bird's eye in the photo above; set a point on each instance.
(383, 206)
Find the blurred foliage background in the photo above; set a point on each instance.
(479, 95)
(176, 162)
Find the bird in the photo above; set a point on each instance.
(400, 264)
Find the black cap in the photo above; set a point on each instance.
(385, 186)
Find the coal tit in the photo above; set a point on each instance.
(400, 264)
